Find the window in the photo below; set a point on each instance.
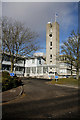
(21, 69)
(50, 43)
(20, 61)
(28, 70)
(51, 72)
(17, 68)
(50, 48)
(40, 61)
(34, 70)
(45, 69)
(63, 71)
(39, 70)
(50, 61)
(56, 73)
(50, 25)
(33, 60)
(5, 67)
(63, 64)
(50, 56)
(50, 67)
(50, 35)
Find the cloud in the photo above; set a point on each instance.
(36, 15)
(40, 0)
(68, 18)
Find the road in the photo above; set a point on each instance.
(42, 100)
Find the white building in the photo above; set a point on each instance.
(37, 67)
(19, 65)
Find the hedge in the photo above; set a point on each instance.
(9, 82)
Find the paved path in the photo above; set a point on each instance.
(43, 101)
(11, 94)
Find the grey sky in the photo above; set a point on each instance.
(40, 0)
(36, 15)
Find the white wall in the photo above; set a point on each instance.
(28, 63)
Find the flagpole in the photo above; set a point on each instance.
(55, 17)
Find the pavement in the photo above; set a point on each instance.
(15, 92)
(41, 100)
(11, 94)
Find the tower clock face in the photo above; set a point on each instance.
(50, 35)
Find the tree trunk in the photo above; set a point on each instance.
(12, 64)
(11, 67)
(71, 68)
(77, 74)
(78, 56)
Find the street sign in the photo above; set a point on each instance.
(56, 77)
(49, 76)
(11, 74)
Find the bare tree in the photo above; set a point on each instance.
(71, 50)
(17, 39)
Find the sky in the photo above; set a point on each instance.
(36, 15)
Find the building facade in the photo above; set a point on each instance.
(41, 65)
(19, 65)
(37, 67)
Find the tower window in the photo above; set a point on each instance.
(50, 35)
(50, 25)
(50, 43)
(50, 56)
(50, 48)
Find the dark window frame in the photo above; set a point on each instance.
(50, 43)
(50, 56)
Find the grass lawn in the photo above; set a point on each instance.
(67, 81)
